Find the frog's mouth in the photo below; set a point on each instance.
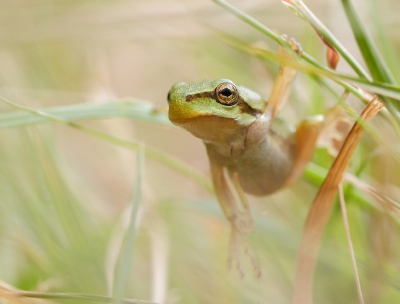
(204, 119)
(211, 128)
(183, 117)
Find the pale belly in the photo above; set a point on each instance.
(263, 169)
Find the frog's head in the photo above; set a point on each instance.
(213, 110)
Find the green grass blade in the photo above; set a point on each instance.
(324, 32)
(321, 70)
(329, 37)
(124, 265)
(317, 69)
(368, 49)
(168, 160)
(131, 109)
(371, 55)
(249, 20)
(255, 24)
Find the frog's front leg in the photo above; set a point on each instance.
(239, 217)
(283, 82)
(241, 220)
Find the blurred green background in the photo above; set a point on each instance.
(66, 196)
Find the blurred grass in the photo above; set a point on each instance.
(65, 195)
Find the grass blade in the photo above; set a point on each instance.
(124, 265)
(329, 37)
(350, 243)
(168, 160)
(131, 109)
(319, 213)
(374, 61)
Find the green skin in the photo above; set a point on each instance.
(236, 136)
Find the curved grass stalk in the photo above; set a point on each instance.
(168, 160)
(321, 208)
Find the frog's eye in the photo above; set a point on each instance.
(226, 94)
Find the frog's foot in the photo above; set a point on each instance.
(294, 45)
(336, 127)
(327, 130)
(238, 212)
(241, 225)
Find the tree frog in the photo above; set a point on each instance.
(249, 150)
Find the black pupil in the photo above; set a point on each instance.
(226, 92)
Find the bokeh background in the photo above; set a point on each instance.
(65, 195)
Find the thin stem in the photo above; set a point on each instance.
(350, 243)
(326, 34)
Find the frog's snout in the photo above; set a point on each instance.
(173, 89)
